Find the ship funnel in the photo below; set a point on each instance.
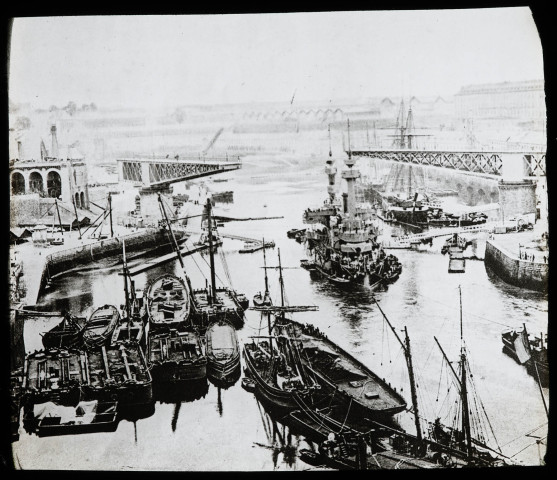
(19, 150)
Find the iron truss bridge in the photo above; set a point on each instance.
(487, 163)
(161, 172)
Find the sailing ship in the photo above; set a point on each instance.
(175, 349)
(530, 351)
(342, 240)
(100, 325)
(274, 364)
(212, 303)
(451, 446)
(265, 299)
(68, 333)
(132, 325)
(223, 351)
(351, 384)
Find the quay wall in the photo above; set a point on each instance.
(513, 270)
(65, 260)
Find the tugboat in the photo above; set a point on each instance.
(342, 240)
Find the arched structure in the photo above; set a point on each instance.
(18, 183)
(53, 184)
(36, 184)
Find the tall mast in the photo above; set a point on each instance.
(211, 256)
(412, 386)
(76, 217)
(330, 149)
(163, 210)
(265, 268)
(463, 389)
(110, 213)
(408, 355)
(59, 218)
(349, 149)
(281, 281)
(125, 267)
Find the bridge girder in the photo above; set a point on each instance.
(485, 163)
(160, 172)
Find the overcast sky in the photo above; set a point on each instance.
(149, 61)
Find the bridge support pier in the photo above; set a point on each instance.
(517, 194)
(517, 197)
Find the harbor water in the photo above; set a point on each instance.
(203, 427)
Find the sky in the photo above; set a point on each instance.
(161, 61)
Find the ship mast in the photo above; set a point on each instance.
(59, 218)
(331, 171)
(408, 355)
(211, 256)
(265, 268)
(463, 387)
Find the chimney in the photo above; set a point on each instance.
(54, 152)
(19, 150)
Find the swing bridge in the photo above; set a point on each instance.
(156, 172)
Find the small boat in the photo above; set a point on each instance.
(87, 417)
(223, 351)
(295, 231)
(530, 351)
(250, 247)
(100, 325)
(68, 333)
(310, 457)
(305, 263)
(167, 301)
(248, 384)
(242, 300)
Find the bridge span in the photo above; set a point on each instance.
(161, 172)
(492, 164)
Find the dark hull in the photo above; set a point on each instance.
(219, 370)
(276, 397)
(106, 421)
(127, 395)
(61, 339)
(394, 403)
(172, 372)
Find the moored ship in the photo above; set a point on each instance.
(223, 350)
(342, 239)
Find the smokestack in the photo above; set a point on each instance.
(19, 150)
(54, 152)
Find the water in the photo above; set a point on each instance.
(228, 429)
